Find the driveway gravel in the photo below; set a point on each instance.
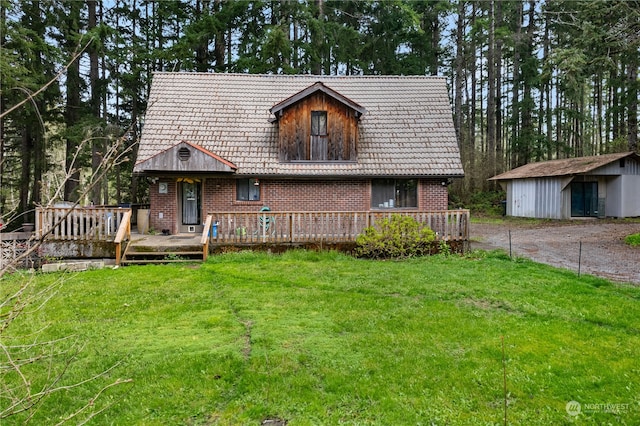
(593, 247)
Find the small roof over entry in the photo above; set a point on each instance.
(185, 157)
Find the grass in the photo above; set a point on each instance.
(322, 338)
(633, 240)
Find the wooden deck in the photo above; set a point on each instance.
(244, 229)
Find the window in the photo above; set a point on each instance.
(394, 193)
(319, 136)
(318, 123)
(247, 190)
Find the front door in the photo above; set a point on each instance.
(190, 219)
(584, 199)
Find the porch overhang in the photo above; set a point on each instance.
(184, 157)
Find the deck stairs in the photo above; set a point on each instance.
(146, 249)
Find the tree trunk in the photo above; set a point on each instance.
(632, 107)
(25, 173)
(459, 74)
(491, 93)
(515, 95)
(498, 88)
(72, 110)
(97, 143)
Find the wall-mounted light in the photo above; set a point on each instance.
(446, 182)
(256, 182)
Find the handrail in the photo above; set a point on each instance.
(123, 234)
(204, 240)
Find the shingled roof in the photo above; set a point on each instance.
(563, 167)
(407, 130)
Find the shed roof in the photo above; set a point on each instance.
(407, 130)
(563, 167)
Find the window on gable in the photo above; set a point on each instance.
(394, 193)
(318, 123)
(247, 190)
(319, 136)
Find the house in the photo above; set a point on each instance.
(302, 143)
(596, 186)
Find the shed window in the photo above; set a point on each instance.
(247, 190)
(394, 193)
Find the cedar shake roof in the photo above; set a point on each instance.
(564, 167)
(407, 130)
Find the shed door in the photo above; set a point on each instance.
(584, 199)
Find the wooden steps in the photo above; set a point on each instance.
(131, 257)
(164, 251)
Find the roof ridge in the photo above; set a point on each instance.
(310, 76)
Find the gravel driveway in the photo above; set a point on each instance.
(603, 251)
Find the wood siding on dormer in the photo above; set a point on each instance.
(294, 130)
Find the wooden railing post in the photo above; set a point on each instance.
(123, 234)
(206, 236)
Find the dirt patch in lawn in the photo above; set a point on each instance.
(595, 246)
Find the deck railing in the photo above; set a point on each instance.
(329, 227)
(102, 224)
(79, 223)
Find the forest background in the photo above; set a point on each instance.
(528, 80)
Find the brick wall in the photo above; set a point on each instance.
(219, 194)
(432, 195)
(164, 205)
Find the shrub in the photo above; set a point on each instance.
(395, 237)
(633, 240)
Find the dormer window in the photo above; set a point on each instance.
(319, 136)
(317, 124)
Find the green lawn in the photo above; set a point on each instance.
(322, 338)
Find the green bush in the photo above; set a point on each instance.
(633, 240)
(395, 237)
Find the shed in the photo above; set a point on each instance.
(595, 186)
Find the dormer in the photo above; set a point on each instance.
(317, 124)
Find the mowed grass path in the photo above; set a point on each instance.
(322, 338)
